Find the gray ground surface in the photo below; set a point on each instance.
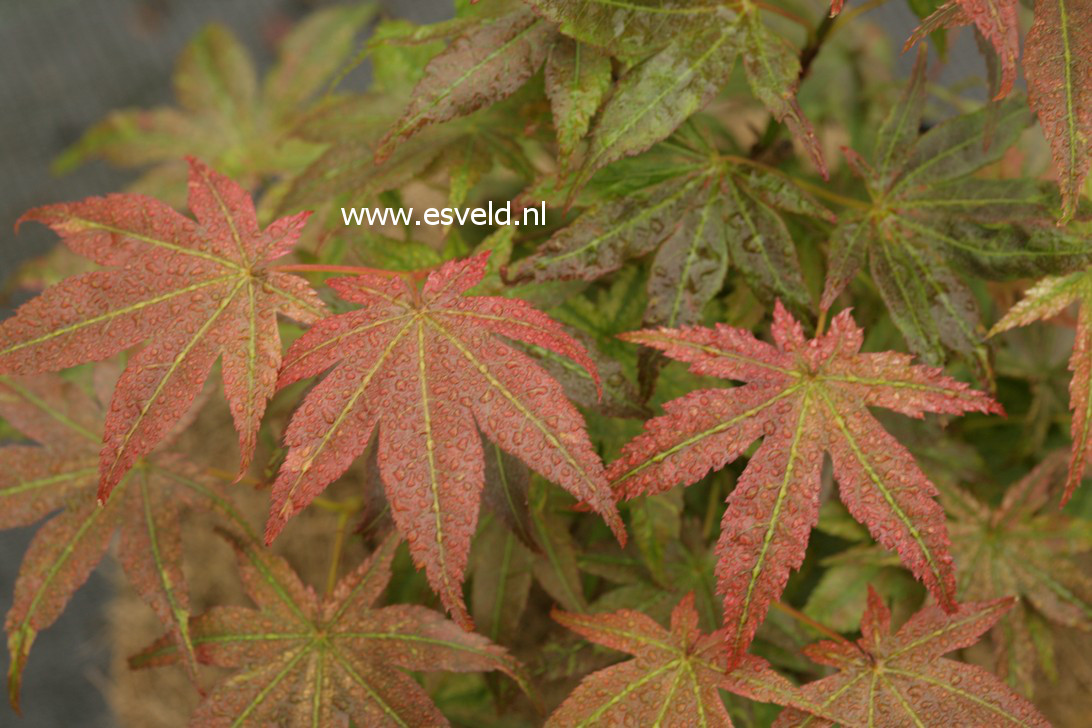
(63, 65)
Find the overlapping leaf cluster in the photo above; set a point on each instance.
(703, 307)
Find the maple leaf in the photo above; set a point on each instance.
(687, 52)
(901, 678)
(465, 148)
(996, 20)
(803, 398)
(927, 213)
(305, 660)
(1058, 66)
(578, 77)
(423, 367)
(195, 291)
(1024, 548)
(224, 114)
(486, 64)
(674, 679)
(60, 473)
(1046, 299)
(699, 216)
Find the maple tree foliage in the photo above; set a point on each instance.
(425, 369)
(1045, 299)
(1058, 66)
(680, 150)
(803, 398)
(225, 115)
(60, 474)
(901, 678)
(1025, 548)
(674, 679)
(686, 53)
(1056, 63)
(705, 214)
(306, 660)
(195, 291)
(928, 214)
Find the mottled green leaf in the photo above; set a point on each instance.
(578, 77)
(655, 97)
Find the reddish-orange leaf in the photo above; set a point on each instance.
(192, 290)
(898, 679)
(1058, 68)
(1047, 299)
(803, 398)
(61, 473)
(427, 369)
(306, 661)
(998, 22)
(675, 678)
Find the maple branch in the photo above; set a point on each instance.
(806, 620)
(352, 269)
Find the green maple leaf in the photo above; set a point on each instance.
(1024, 548)
(224, 114)
(928, 213)
(699, 212)
(682, 55)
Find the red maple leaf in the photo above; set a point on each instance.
(426, 369)
(59, 474)
(996, 20)
(305, 660)
(195, 291)
(803, 398)
(1058, 66)
(675, 678)
(897, 679)
(1046, 299)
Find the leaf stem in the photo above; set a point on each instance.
(823, 192)
(233, 478)
(711, 508)
(786, 14)
(338, 547)
(816, 190)
(808, 621)
(351, 269)
(349, 506)
(850, 15)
